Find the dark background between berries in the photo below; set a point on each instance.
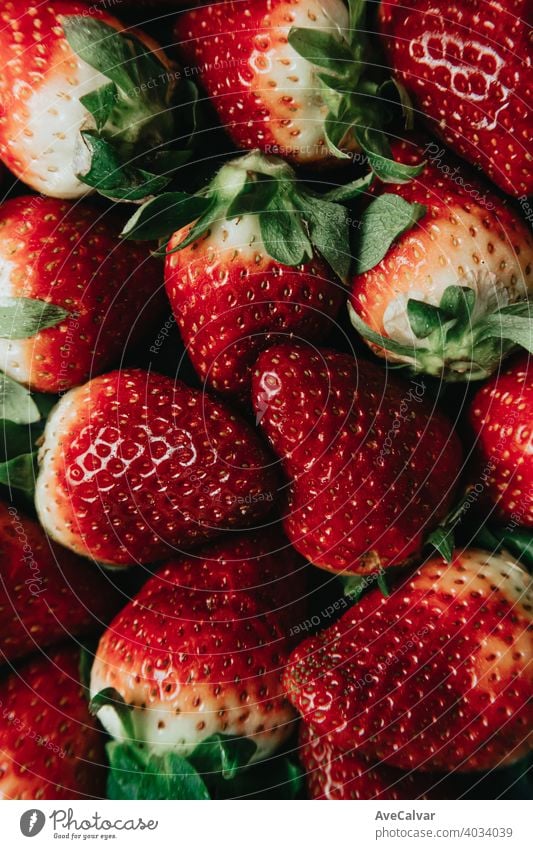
(259, 781)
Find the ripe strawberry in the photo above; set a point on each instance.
(46, 593)
(201, 649)
(469, 70)
(289, 77)
(333, 774)
(134, 465)
(449, 298)
(104, 294)
(50, 746)
(73, 112)
(372, 464)
(438, 676)
(257, 256)
(501, 416)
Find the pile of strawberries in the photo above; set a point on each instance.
(267, 459)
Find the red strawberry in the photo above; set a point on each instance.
(466, 266)
(46, 593)
(288, 77)
(438, 676)
(235, 291)
(68, 123)
(50, 746)
(469, 69)
(333, 774)
(202, 648)
(69, 256)
(372, 464)
(134, 465)
(501, 416)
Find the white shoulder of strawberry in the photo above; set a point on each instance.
(361, 101)
(133, 118)
(295, 221)
(464, 338)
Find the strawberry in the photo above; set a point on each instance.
(437, 676)
(74, 114)
(50, 746)
(134, 465)
(450, 296)
(292, 78)
(334, 775)
(72, 294)
(372, 465)
(501, 413)
(200, 651)
(263, 258)
(469, 70)
(46, 592)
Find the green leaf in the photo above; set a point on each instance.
(442, 539)
(112, 178)
(16, 403)
(224, 754)
(384, 220)
(276, 778)
(519, 542)
(109, 697)
(136, 775)
(351, 190)
(20, 472)
(85, 666)
(392, 90)
(377, 339)
(377, 150)
(100, 103)
(163, 215)
(254, 198)
(21, 318)
(335, 127)
(322, 48)
(216, 211)
(329, 232)
(120, 56)
(382, 584)
(517, 329)
(354, 586)
(458, 301)
(357, 10)
(424, 318)
(283, 234)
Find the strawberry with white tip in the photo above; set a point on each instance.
(201, 650)
(300, 81)
(450, 297)
(257, 256)
(73, 115)
(436, 677)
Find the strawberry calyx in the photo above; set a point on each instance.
(463, 338)
(123, 151)
(294, 220)
(360, 102)
(139, 771)
(22, 424)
